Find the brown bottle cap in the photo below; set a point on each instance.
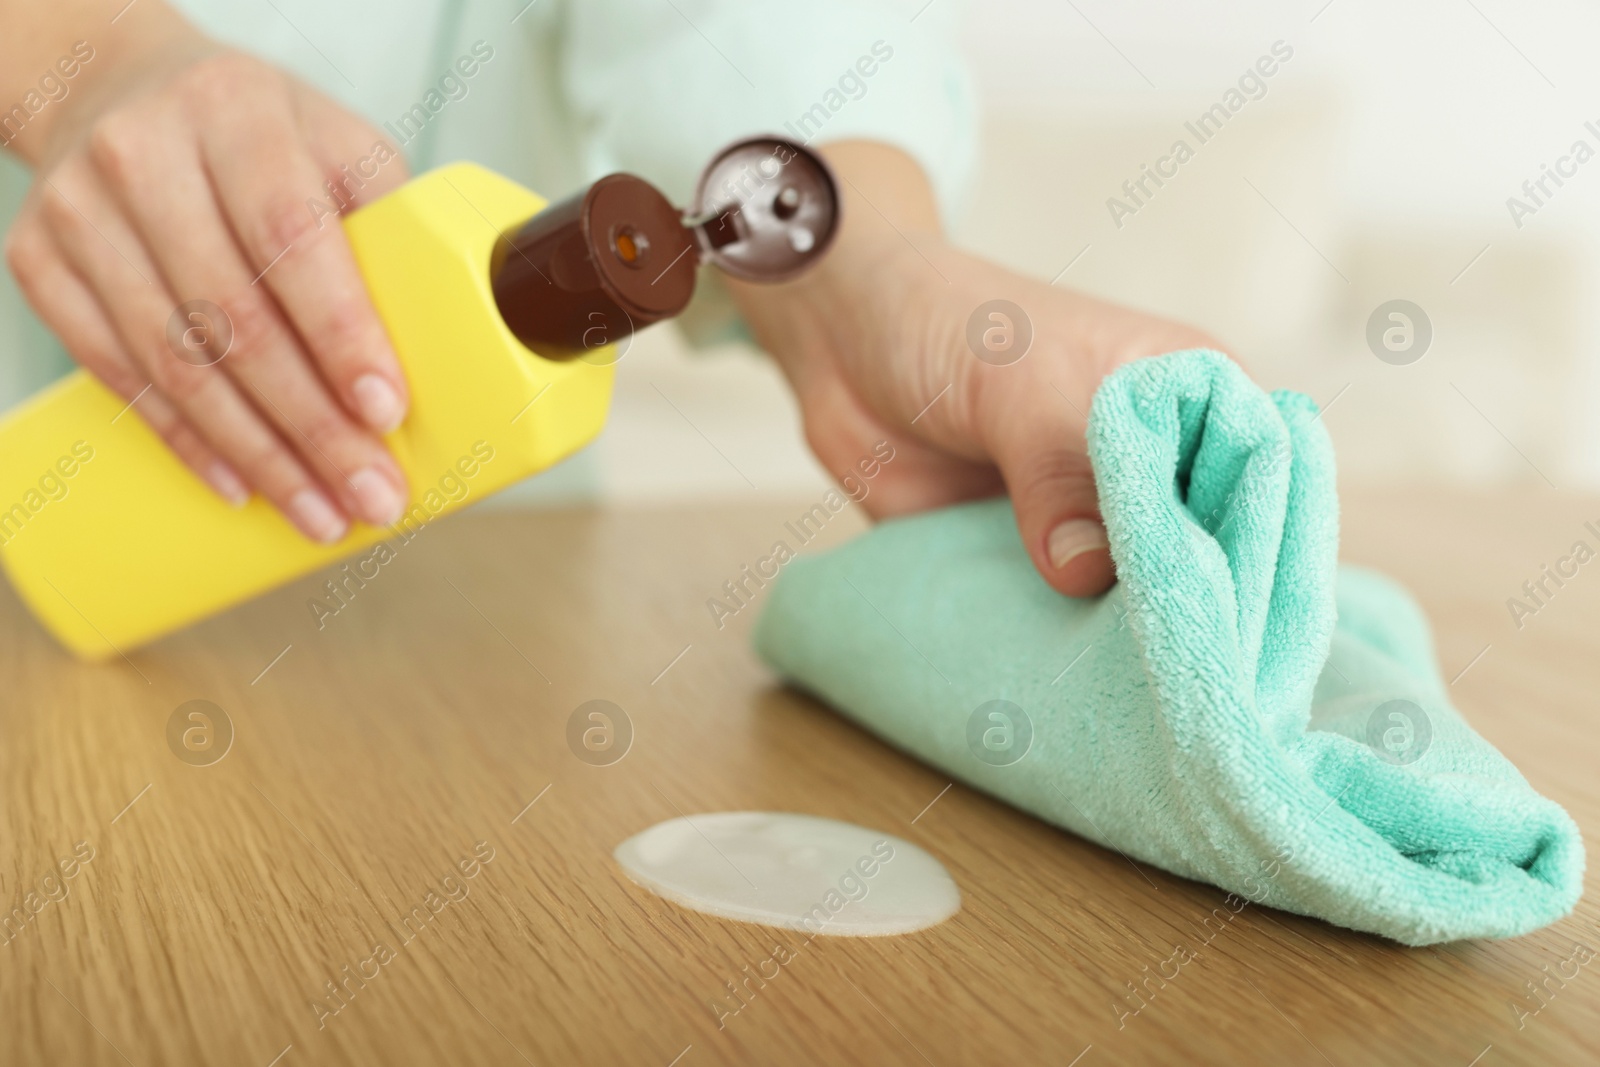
(646, 258)
(594, 268)
(765, 210)
(618, 256)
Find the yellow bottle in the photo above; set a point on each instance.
(502, 314)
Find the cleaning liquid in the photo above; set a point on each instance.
(504, 313)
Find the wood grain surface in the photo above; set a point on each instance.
(421, 734)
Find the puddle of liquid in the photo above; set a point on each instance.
(795, 871)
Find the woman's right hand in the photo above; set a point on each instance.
(193, 173)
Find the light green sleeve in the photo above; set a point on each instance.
(657, 88)
(30, 358)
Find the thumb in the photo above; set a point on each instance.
(1047, 471)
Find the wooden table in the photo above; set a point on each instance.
(430, 714)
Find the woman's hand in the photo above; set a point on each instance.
(876, 343)
(189, 172)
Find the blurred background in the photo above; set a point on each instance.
(1376, 167)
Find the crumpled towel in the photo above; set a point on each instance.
(1237, 710)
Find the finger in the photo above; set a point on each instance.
(170, 199)
(66, 305)
(1051, 481)
(268, 184)
(138, 308)
(845, 437)
(362, 164)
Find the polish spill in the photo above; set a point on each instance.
(794, 871)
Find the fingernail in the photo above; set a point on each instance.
(316, 517)
(228, 485)
(379, 402)
(1072, 539)
(380, 502)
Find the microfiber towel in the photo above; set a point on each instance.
(1238, 710)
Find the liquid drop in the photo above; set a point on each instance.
(800, 872)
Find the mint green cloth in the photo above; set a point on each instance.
(1237, 710)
